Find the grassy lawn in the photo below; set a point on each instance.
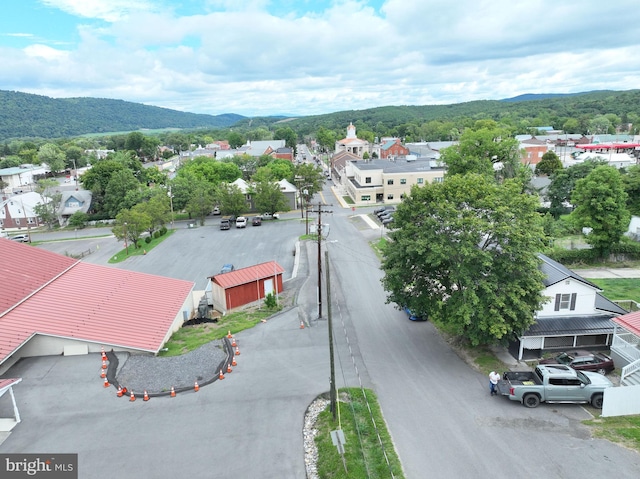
(189, 338)
(348, 200)
(623, 430)
(617, 289)
(142, 249)
(364, 455)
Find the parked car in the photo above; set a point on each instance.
(380, 209)
(256, 221)
(20, 238)
(386, 212)
(583, 361)
(241, 222)
(269, 216)
(216, 211)
(413, 316)
(387, 220)
(227, 268)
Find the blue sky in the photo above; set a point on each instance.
(261, 57)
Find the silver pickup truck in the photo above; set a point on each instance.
(554, 383)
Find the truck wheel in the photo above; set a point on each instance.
(596, 401)
(602, 371)
(531, 400)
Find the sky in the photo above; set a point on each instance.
(308, 57)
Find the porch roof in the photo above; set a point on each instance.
(630, 322)
(565, 325)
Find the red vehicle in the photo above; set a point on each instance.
(583, 361)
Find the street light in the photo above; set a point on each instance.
(171, 203)
(126, 246)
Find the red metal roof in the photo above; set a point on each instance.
(247, 275)
(25, 269)
(630, 322)
(97, 304)
(6, 383)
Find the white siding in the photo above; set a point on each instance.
(584, 303)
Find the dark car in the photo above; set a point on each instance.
(583, 361)
(256, 221)
(386, 211)
(387, 221)
(388, 214)
(380, 209)
(413, 316)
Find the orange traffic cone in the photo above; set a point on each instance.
(229, 368)
(103, 374)
(221, 376)
(104, 364)
(237, 352)
(173, 392)
(196, 388)
(146, 396)
(233, 343)
(301, 324)
(132, 397)
(144, 251)
(229, 335)
(106, 383)
(104, 357)
(124, 390)
(120, 392)
(233, 361)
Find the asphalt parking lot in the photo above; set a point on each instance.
(248, 425)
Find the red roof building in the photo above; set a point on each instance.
(245, 285)
(52, 304)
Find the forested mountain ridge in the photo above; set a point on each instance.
(24, 115)
(546, 110)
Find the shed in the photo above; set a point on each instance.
(246, 285)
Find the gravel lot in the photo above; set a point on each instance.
(157, 374)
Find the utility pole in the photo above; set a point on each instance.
(320, 211)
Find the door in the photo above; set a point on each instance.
(268, 287)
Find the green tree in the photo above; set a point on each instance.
(236, 140)
(326, 138)
(269, 198)
(232, 201)
(464, 253)
(201, 200)
(571, 126)
(548, 164)
(53, 156)
(115, 195)
(562, 183)
(129, 226)
(47, 209)
(489, 152)
(308, 177)
(78, 219)
(631, 182)
(287, 134)
(157, 208)
(600, 202)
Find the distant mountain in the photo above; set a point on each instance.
(544, 96)
(25, 115)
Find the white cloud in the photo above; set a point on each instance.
(234, 56)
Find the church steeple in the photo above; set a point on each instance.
(351, 131)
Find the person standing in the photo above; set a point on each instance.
(494, 377)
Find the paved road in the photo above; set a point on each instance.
(440, 415)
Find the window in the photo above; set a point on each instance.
(438, 179)
(365, 198)
(403, 181)
(389, 197)
(420, 181)
(565, 301)
(389, 182)
(367, 179)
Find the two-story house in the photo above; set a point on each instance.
(576, 315)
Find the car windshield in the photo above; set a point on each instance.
(583, 377)
(564, 358)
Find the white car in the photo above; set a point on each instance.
(241, 222)
(269, 216)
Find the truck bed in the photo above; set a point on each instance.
(516, 378)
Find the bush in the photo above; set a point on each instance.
(147, 239)
(163, 230)
(156, 234)
(270, 301)
(78, 219)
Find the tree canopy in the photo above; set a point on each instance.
(464, 254)
(600, 202)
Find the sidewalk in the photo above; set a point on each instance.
(608, 273)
